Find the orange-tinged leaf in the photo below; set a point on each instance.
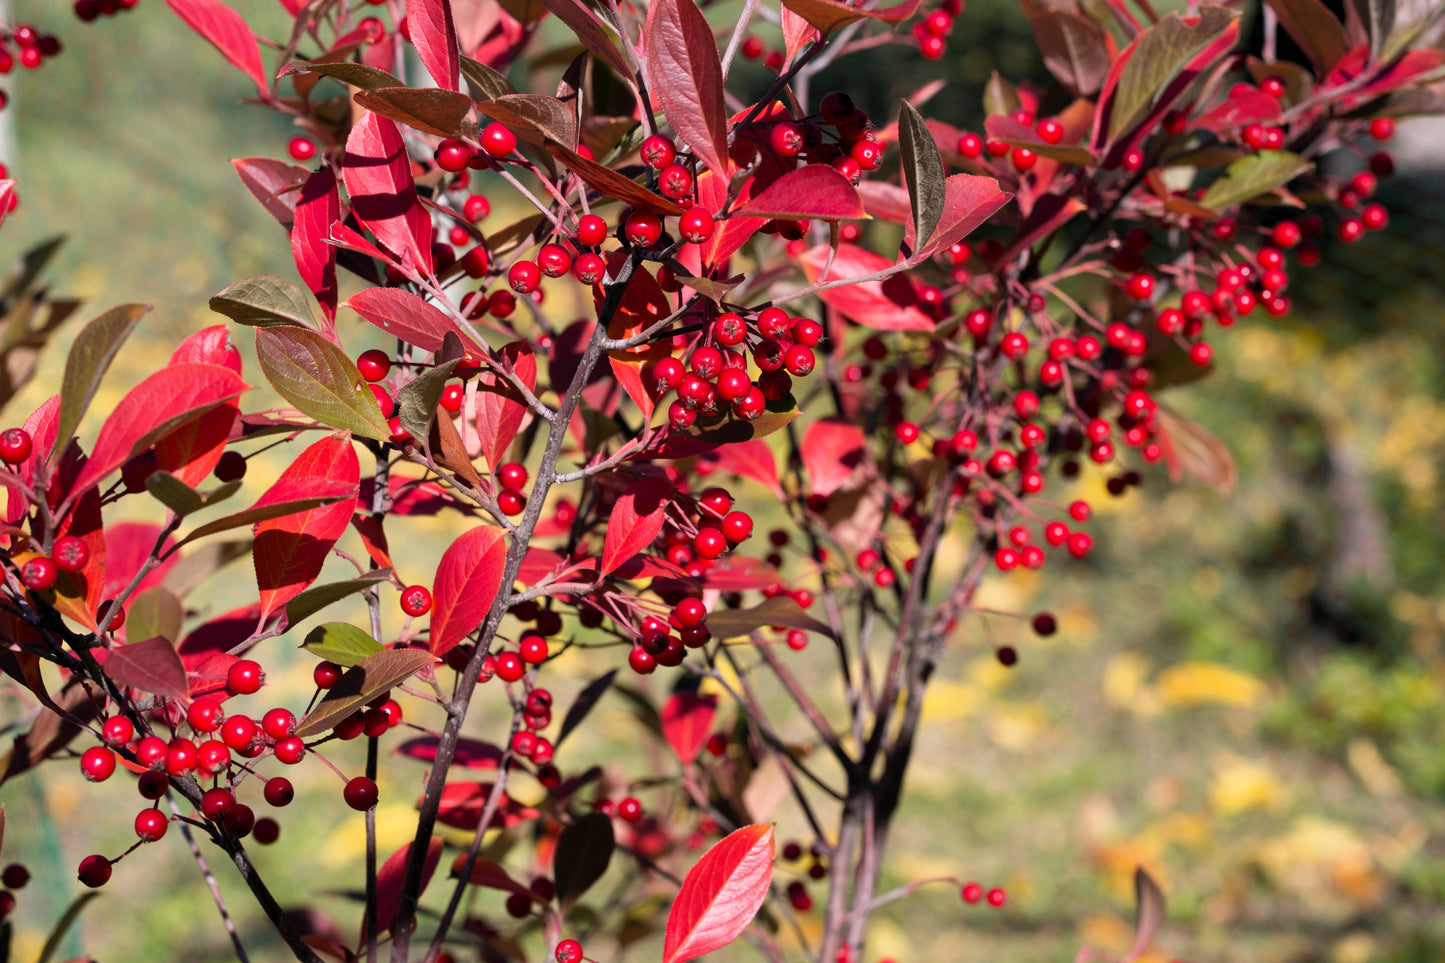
(636, 520)
(500, 407)
(467, 579)
(833, 448)
(687, 722)
(720, 895)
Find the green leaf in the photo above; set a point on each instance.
(62, 926)
(86, 363)
(320, 380)
(779, 610)
(1161, 53)
(1318, 32)
(1253, 175)
(363, 682)
(923, 172)
(341, 642)
(999, 96)
(357, 75)
(155, 612)
(417, 402)
(23, 273)
(261, 513)
(316, 598)
(264, 301)
(488, 83)
(182, 498)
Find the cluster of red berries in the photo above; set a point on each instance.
(974, 892)
(221, 748)
(89, 10)
(32, 46)
(13, 877)
(933, 30)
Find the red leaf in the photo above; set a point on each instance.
(636, 520)
(290, 551)
(373, 536)
(467, 579)
(227, 32)
(392, 875)
(686, 721)
(815, 191)
(488, 874)
(886, 200)
(1245, 104)
(270, 182)
(470, 754)
(151, 666)
(318, 207)
(537, 564)
(740, 574)
(7, 190)
(500, 407)
(219, 635)
(211, 345)
(797, 34)
(161, 403)
(127, 546)
(685, 75)
(888, 305)
(830, 15)
(42, 425)
(833, 448)
(435, 37)
(968, 201)
(377, 172)
(206, 674)
(462, 804)
(747, 459)
(720, 895)
(404, 315)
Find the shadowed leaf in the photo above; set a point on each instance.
(264, 301)
(151, 666)
(922, 170)
(584, 850)
(320, 380)
(583, 704)
(360, 684)
(86, 362)
(318, 597)
(444, 113)
(737, 623)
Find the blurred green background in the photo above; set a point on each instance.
(1245, 695)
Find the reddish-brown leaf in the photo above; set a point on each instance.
(391, 877)
(889, 304)
(687, 721)
(589, 29)
(833, 448)
(378, 179)
(797, 34)
(317, 209)
(830, 15)
(636, 520)
(435, 37)
(361, 683)
(404, 315)
(470, 753)
(467, 579)
(290, 551)
(1191, 449)
(780, 610)
(227, 32)
(816, 191)
(584, 849)
(274, 183)
(500, 407)
(150, 666)
(605, 180)
(159, 404)
(685, 75)
(720, 895)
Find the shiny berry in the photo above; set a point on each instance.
(591, 230)
(15, 445)
(696, 226)
(643, 228)
(416, 600)
(497, 140)
(151, 824)
(360, 793)
(39, 573)
(278, 791)
(117, 731)
(70, 553)
(658, 151)
(245, 677)
(94, 871)
(97, 763)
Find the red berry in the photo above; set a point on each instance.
(360, 794)
(554, 260)
(1382, 128)
(278, 791)
(591, 230)
(151, 824)
(215, 803)
(996, 897)
(524, 277)
(15, 445)
(643, 228)
(641, 661)
(374, 364)
(658, 151)
(238, 732)
(278, 723)
(453, 156)
(532, 647)
(589, 268)
(709, 543)
(240, 820)
(39, 573)
(117, 731)
(290, 751)
(94, 871)
(510, 667)
(568, 951)
(786, 140)
(182, 757)
(736, 527)
(245, 677)
(416, 600)
(151, 752)
(266, 831)
(696, 226)
(1140, 287)
(97, 763)
(497, 140)
(629, 809)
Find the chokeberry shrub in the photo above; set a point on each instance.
(689, 371)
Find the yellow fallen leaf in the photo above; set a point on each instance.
(948, 701)
(1241, 785)
(1199, 683)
